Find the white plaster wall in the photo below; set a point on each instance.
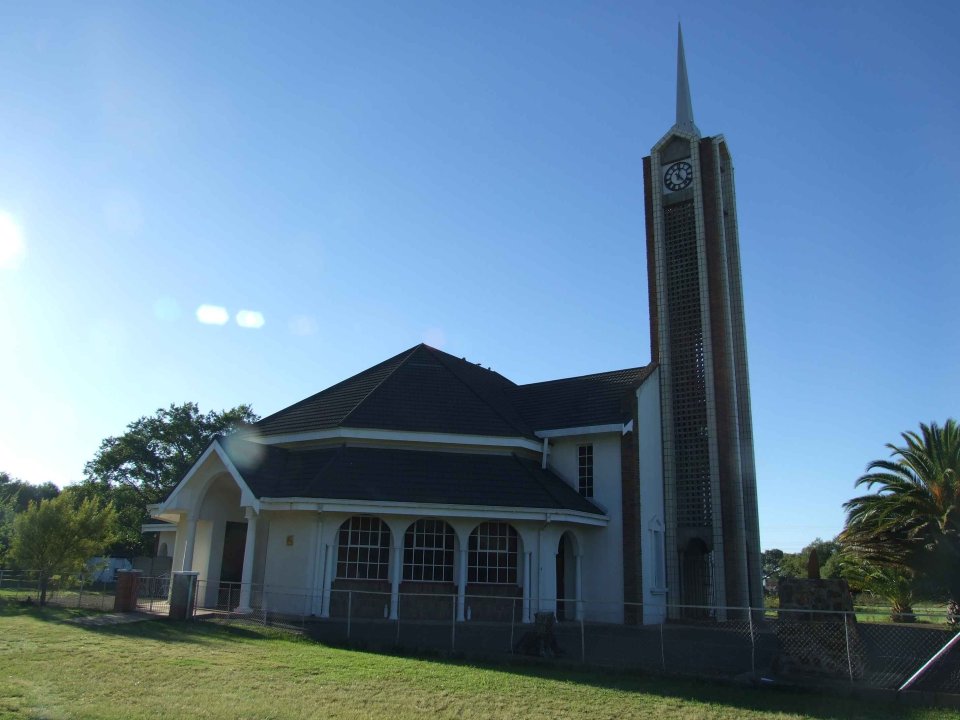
(602, 548)
(651, 499)
(289, 569)
(260, 549)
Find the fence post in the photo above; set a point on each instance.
(753, 644)
(349, 610)
(399, 599)
(846, 635)
(80, 594)
(663, 657)
(453, 624)
(583, 642)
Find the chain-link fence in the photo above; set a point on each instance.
(77, 591)
(862, 648)
(819, 648)
(25, 586)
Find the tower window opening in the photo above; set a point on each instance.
(585, 470)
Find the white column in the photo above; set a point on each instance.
(187, 564)
(396, 571)
(319, 570)
(527, 564)
(461, 584)
(246, 581)
(328, 570)
(579, 589)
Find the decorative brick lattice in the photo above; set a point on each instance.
(685, 333)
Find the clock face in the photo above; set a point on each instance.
(678, 176)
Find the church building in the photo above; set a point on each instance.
(621, 496)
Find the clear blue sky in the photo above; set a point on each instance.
(371, 175)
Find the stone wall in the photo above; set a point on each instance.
(817, 630)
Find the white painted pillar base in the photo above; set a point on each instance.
(246, 580)
(461, 585)
(578, 612)
(319, 569)
(395, 575)
(328, 570)
(527, 564)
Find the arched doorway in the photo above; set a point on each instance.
(695, 578)
(567, 577)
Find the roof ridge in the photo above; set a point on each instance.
(407, 355)
(326, 390)
(589, 375)
(482, 399)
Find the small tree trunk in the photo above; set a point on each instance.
(43, 589)
(902, 613)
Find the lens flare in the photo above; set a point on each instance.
(303, 325)
(12, 247)
(250, 319)
(213, 315)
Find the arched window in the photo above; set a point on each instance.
(428, 551)
(162, 551)
(364, 549)
(492, 556)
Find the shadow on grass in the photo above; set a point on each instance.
(815, 704)
(158, 629)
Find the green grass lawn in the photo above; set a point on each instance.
(50, 668)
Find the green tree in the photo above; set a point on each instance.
(58, 536)
(912, 521)
(144, 464)
(20, 494)
(15, 497)
(771, 561)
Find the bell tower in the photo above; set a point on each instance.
(697, 336)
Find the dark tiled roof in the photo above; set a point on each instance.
(426, 390)
(599, 399)
(392, 475)
(419, 390)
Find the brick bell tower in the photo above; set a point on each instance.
(697, 335)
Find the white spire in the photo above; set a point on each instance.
(684, 104)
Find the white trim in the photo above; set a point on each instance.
(416, 509)
(158, 527)
(583, 430)
(247, 498)
(398, 436)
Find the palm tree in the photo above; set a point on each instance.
(893, 584)
(912, 521)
